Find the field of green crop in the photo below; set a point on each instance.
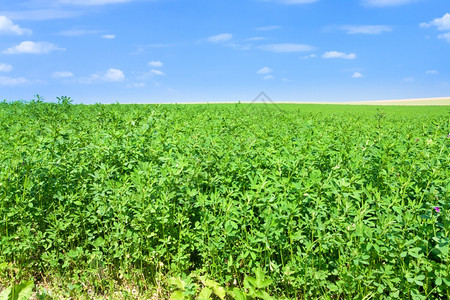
(224, 201)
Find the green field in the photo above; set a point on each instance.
(235, 201)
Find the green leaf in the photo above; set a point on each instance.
(5, 294)
(72, 254)
(218, 290)
(438, 281)
(237, 294)
(262, 295)
(414, 252)
(418, 282)
(23, 291)
(261, 281)
(205, 294)
(230, 261)
(443, 249)
(177, 295)
(395, 294)
(177, 282)
(99, 242)
(72, 286)
(380, 289)
(230, 226)
(251, 280)
(332, 287)
(266, 296)
(3, 266)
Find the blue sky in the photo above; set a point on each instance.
(135, 51)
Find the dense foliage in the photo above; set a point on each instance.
(316, 200)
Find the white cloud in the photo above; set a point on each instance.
(137, 85)
(32, 48)
(265, 70)
(109, 36)
(267, 28)
(256, 38)
(336, 54)
(5, 67)
(286, 48)
(91, 2)
(220, 38)
(366, 29)
(309, 56)
(114, 75)
(408, 79)
(111, 75)
(151, 74)
(357, 75)
(156, 64)
(8, 81)
(8, 27)
(432, 72)
(441, 23)
(62, 74)
(383, 3)
(445, 36)
(156, 72)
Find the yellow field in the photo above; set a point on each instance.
(418, 102)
